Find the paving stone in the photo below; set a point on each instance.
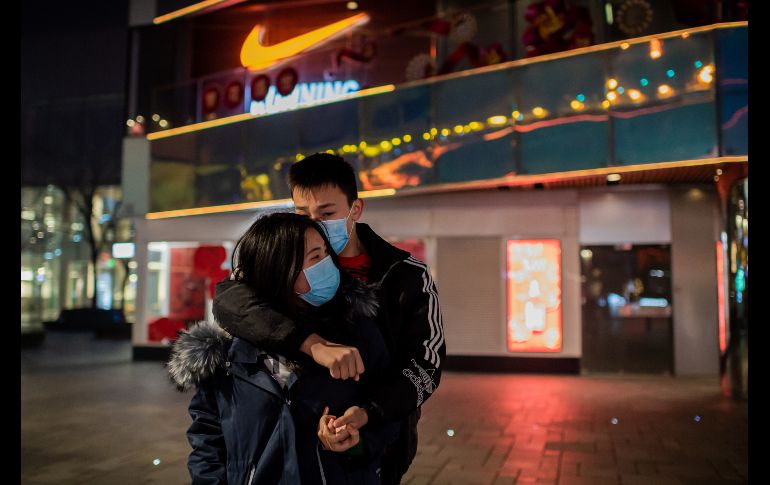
(105, 423)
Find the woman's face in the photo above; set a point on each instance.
(315, 251)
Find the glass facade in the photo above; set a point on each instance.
(638, 103)
(180, 285)
(627, 309)
(56, 267)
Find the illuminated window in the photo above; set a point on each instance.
(534, 321)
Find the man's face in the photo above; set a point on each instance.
(325, 204)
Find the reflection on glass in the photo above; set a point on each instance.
(627, 324)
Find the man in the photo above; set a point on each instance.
(323, 187)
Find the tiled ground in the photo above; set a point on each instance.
(98, 418)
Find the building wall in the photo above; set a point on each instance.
(465, 233)
(693, 270)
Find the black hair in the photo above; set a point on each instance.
(269, 258)
(324, 169)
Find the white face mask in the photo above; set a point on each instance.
(337, 232)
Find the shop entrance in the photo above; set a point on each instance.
(626, 296)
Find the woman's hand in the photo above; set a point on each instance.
(354, 416)
(336, 439)
(343, 362)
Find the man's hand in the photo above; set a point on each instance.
(336, 439)
(354, 416)
(342, 361)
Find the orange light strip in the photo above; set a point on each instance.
(721, 297)
(191, 9)
(517, 180)
(513, 180)
(219, 209)
(247, 116)
(256, 56)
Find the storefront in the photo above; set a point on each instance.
(570, 221)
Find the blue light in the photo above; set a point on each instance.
(644, 82)
(581, 97)
(670, 73)
(740, 281)
(48, 255)
(698, 64)
(450, 432)
(520, 117)
(621, 90)
(697, 419)
(57, 252)
(77, 237)
(156, 462)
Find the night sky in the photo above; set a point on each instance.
(73, 83)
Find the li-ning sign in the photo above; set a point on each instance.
(304, 94)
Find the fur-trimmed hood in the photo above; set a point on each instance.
(197, 353)
(204, 347)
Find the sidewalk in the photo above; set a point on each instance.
(107, 423)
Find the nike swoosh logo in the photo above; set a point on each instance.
(254, 55)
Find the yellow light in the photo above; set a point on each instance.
(467, 129)
(625, 45)
(140, 119)
(156, 118)
(476, 126)
(613, 177)
(497, 120)
(163, 123)
(612, 83)
(612, 96)
(426, 136)
(635, 94)
(539, 112)
(445, 132)
(407, 138)
(263, 179)
(386, 146)
(396, 141)
(685, 35)
(330, 151)
(184, 11)
(706, 74)
(362, 145)
(371, 151)
(515, 115)
(665, 89)
(577, 105)
(605, 104)
(299, 157)
(656, 49)
(458, 129)
(256, 56)
(130, 123)
(352, 5)
(433, 131)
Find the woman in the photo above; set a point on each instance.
(262, 418)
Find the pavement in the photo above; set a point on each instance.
(89, 415)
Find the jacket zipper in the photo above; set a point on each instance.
(251, 474)
(320, 465)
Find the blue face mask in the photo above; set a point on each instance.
(324, 279)
(337, 232)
